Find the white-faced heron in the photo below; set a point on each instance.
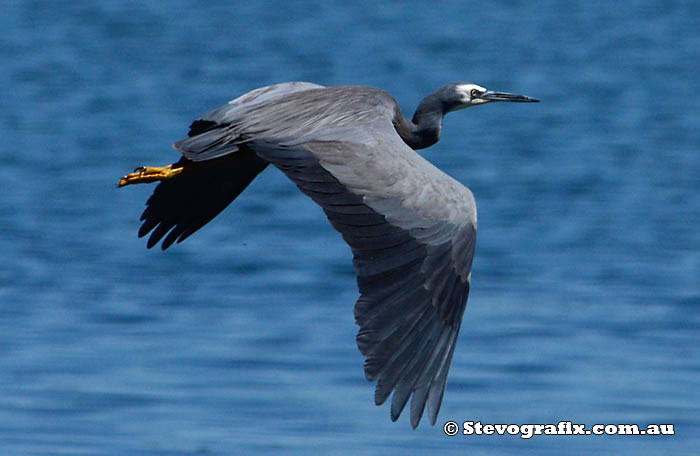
(411, 227)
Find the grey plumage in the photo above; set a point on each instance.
(411, 227)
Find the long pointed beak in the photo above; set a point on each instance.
(490, 95)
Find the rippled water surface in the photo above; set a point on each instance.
(585, 303)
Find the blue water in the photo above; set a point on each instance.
(585, 303)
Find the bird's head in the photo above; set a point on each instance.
(427, 121)
(462, 95)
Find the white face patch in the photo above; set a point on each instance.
(465, 90)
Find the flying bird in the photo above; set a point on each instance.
(411, 227)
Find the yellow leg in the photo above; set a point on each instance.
(145, 174)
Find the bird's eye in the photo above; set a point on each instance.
(475, 93)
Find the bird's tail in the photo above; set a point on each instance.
(190, 194)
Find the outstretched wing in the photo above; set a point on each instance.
(412, 230)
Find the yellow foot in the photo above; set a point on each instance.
(145, 174)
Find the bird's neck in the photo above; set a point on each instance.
(424, 130)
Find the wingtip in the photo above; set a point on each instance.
(415, 423)
(152, 241)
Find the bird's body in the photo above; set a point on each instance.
(411, 227)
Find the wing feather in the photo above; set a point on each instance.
(182, 205)
(411, 255)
